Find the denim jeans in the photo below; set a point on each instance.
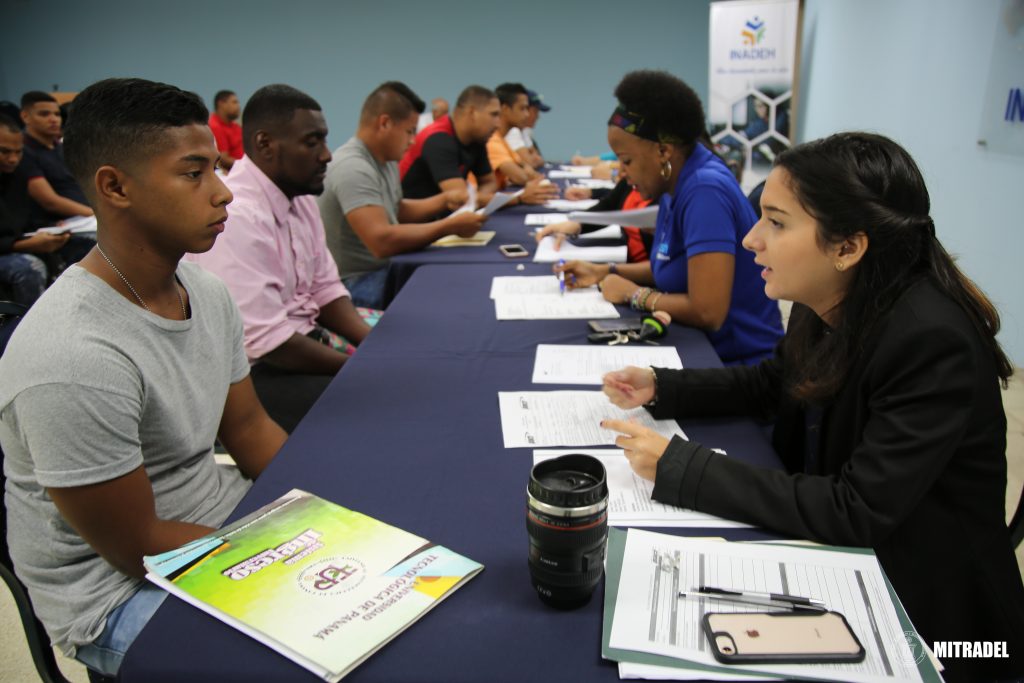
(123, 625)
(24, 275)
(367, 289)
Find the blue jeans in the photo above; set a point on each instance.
(367, 289)
(123, 625)
(24, 275)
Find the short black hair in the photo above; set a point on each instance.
(13, 112)
(393, 98)
(271, 107)
(221, 96)
(9, 123)
(508, 93)
(35, 96)
(666, 102)
(473, 95)
(118, 121)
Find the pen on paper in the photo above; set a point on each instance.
(756, 598)
(561, 277)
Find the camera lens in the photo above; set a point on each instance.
(567, 521)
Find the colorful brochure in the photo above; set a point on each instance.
(323, 585)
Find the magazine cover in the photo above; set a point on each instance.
(321, 584)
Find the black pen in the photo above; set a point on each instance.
(758, 598)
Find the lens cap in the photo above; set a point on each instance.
(569, 481)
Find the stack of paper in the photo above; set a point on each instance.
(647, 622)
(629, 495)
(531, 419)
(583, 305)
(570, 172)
(546, 253)
(571, 364)
(594, 183)
(78, 225)
(545, 218)
(569, 204)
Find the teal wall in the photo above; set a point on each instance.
(912, 69)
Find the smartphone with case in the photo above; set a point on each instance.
(615, 325)
(798, 637)
(514, 250)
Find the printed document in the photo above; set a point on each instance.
(545, 218)
(546, 252)
(506, 285)
(629, 495)
(569, 204)
(573, 306)
(78, 225)
(570, 364)
(539, 419)
(650, 616)
(646, 217)
(608, 232)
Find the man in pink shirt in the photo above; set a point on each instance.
(273, 256)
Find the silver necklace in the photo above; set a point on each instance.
(184, 314)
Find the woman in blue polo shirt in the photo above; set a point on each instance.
(698, 272)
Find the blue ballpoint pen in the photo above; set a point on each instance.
(561, 277)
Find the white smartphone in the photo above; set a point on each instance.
(801, 636)
(514, 250)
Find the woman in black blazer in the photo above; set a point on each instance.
(884, 392)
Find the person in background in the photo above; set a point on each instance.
(22, 272)
(120, 378)
(226, 131)
(884, 392)
(364, 214)
(300, 323)
(438, 109)
(508, 167)
(697, 272)
(53, 189)
(446, 152)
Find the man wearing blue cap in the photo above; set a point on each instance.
(521, 139)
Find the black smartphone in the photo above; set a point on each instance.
(799, 637)
(615, 325)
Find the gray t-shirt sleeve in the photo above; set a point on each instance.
(239, 361)
(358, 186)
(78, 435)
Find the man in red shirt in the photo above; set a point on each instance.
(226, 132)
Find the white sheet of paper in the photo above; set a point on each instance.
(506, 285)
(545, 218)
(577, 172)
(470, 204)
(629, 495)
(587, 305)
(646, 217)
(569, 204)
(651, 617)
(499, 200)
(608, 232)
(653, 672)
(569, 364)
(546, 253)
(76, 226)
(541, 419)
(594, 183)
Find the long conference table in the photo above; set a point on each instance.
(409, 432)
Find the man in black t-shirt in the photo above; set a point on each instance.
(51, 186)
(448, 150)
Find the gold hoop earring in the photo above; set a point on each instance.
(666, 170)
(840, 266)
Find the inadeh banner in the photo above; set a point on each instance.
(753, 71)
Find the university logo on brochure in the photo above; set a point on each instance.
(753, 32)
(332, 576)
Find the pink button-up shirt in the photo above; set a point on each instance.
(273, 257)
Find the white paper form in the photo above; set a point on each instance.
(608, 232)
(569, 204)
(651, 617)
(570, 172)
(586, 305)
(594, 183)
(629, 495)
(511, 285)
(570, 364)
(539, 419)
(646, 217)
(546, 252)
(545, 218)
(78, 225)
(499, 200)
(653, 672)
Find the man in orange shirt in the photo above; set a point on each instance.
(226, 131)
(508, 167)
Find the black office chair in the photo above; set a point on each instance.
(35, 634)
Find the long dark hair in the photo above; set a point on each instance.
(861, 182)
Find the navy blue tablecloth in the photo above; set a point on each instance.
(409, 433)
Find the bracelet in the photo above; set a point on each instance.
(654, 398)
(634, 301)
(643, 301)
(654, 303)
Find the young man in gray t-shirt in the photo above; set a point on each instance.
(365, 216)
(119, 379)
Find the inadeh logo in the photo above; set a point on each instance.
(753, 32)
